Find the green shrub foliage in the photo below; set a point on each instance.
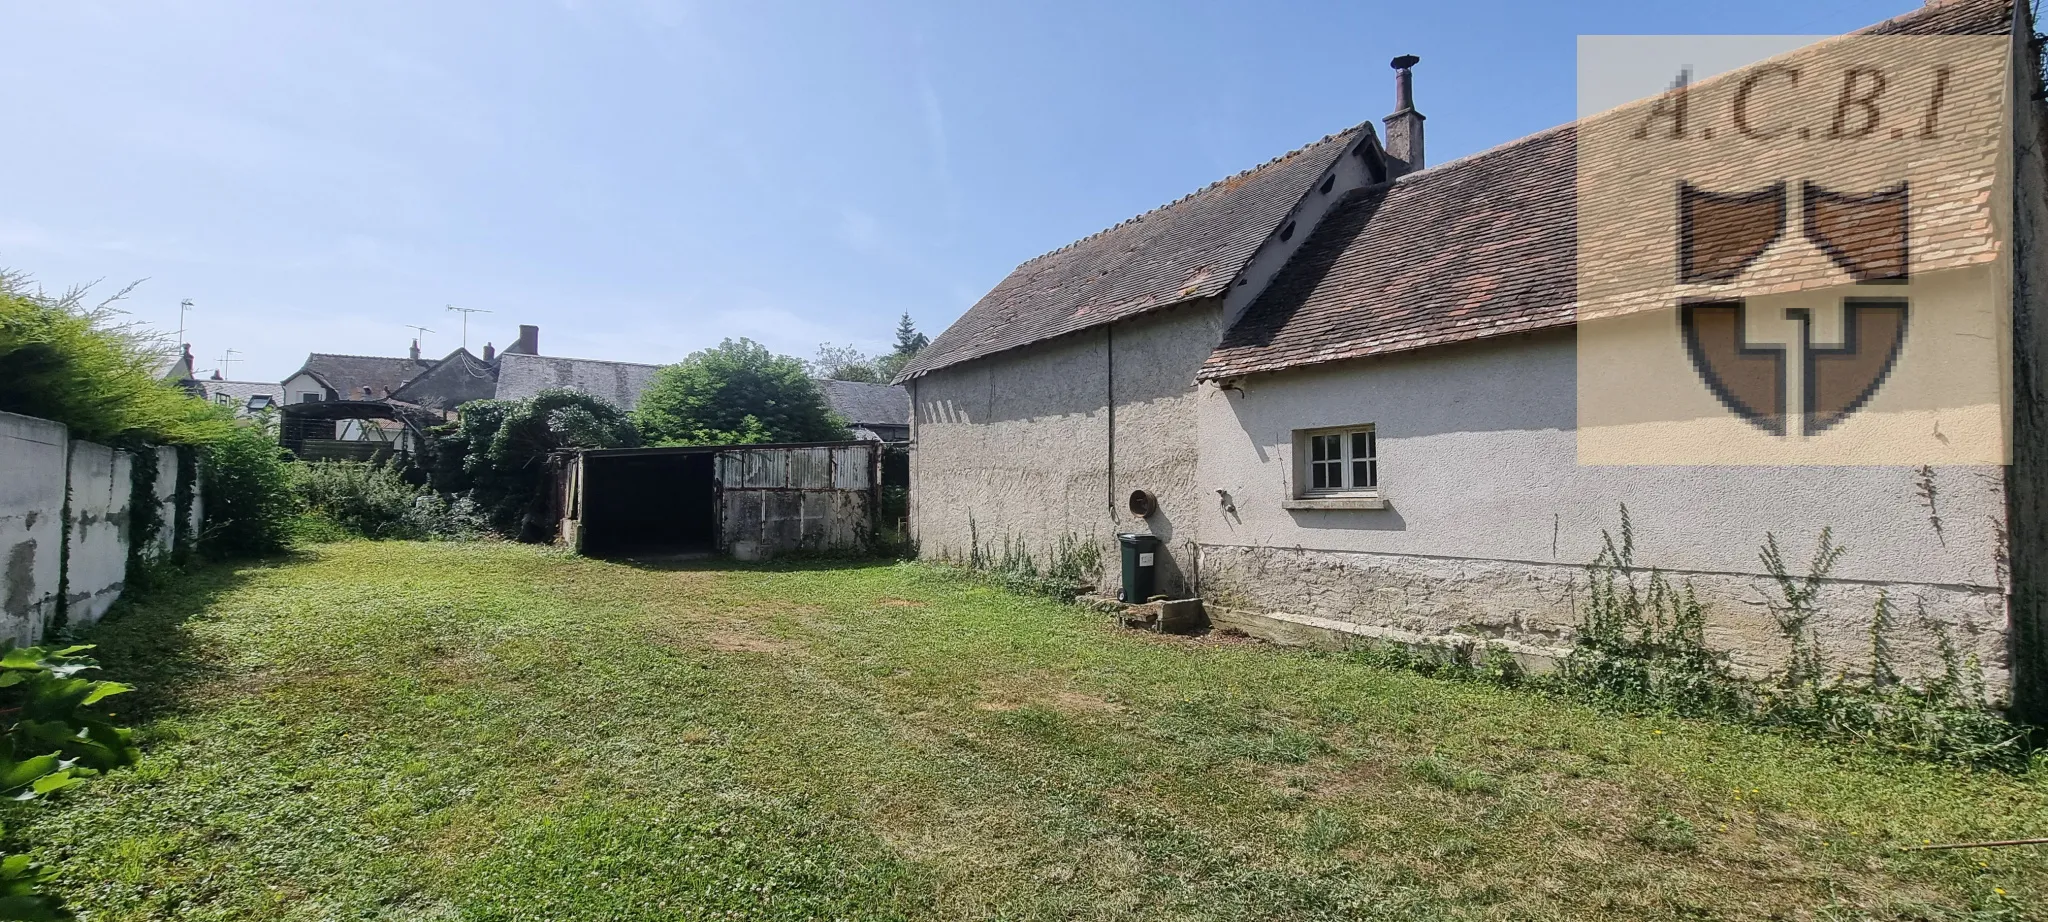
(57, 732)
(375, 501)
(497, 455)
(246, 494)
(98, 375)
(736, 394)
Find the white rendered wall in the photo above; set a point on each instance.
(32, 461)
(1017, 445)
(1490, 518)
(101, 487)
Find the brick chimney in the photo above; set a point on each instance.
(1404, 127)
(528, 342)
(490, 352)
(415, 350)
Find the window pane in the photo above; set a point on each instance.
(1361, 446)
(1320, 476)
(1373, 472)
(1361, 474)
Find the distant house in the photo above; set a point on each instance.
(179, 369)
(246, 398)
(445, 384)
(329, 376)
(522, 376)
(520, 372)
(876, 412)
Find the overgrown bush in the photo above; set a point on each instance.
(365, 500)
(97, 374)
(247, 497)
(368, 500)
(497, 455)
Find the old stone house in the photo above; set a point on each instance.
(1349, 381)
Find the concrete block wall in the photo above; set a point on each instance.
(97, 566)
(31, 522)
(77, 553)
(166, 501)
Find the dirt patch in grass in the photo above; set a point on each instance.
(727, 640)
(722, 635)
(903, 603)
(1046, 691)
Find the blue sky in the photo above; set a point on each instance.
(642, 178)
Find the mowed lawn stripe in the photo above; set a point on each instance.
(495, 731)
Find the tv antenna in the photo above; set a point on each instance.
(417, 330)
(228, 358)
(184, 307)
(465, 312)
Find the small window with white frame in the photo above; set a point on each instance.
(1338, 462)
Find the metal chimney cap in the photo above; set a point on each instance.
(1406, 61)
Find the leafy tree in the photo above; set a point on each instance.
(738, 393)
(887, 367)
(498, 452)
(845, 363)
(87, 368)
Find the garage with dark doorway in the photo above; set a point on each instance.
(649, 502)
(753, 502)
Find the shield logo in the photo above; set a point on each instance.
(1722, 235)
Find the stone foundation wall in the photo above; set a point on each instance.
(1533, 607)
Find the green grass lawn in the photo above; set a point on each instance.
(488, 731)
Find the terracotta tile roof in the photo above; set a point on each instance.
(1478, 247)
(1192, 248)
(1949, 17)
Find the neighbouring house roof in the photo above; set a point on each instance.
(1478, 247)
(868, 404)
(456, 379)
(347, 375)
(1192, 248)
(178, 367)
(521, 376)
(239, 392)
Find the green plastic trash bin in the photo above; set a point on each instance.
(1140, 552)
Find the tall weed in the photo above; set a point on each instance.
(1641, 646)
